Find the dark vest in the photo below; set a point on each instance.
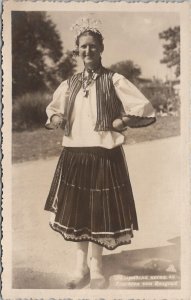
(109, 107)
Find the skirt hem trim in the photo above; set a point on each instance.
(90, 239)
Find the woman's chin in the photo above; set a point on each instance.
(90, 63)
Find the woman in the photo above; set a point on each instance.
(91, 197)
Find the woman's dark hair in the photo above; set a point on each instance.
(98, 36)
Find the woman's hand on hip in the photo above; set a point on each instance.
(118, 124)
(121, 124)
(56, 121)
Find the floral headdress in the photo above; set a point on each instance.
(86, 24)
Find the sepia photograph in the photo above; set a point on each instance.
(96, 130)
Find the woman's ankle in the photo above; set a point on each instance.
(81, 258)
(96, 267)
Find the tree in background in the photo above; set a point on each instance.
(171, 48)
(66, 66)
(37, 53)
(128, 69)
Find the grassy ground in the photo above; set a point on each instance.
(42, 143)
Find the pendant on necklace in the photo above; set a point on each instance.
(85, 92)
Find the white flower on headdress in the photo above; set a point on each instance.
(85, 24)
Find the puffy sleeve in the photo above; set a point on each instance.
(136, 106)
(58, 104)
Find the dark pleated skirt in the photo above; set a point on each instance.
(91, 197)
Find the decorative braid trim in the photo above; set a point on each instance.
(94, 190)
(109, 243)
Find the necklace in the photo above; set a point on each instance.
(87, 80)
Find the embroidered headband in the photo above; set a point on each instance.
(86, 24)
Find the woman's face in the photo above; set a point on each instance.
(89, 50)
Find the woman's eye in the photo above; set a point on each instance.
(91, 47)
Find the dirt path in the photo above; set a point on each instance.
(41, 257)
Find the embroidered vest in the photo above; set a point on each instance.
(109, 107)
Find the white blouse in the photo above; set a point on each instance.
(84, 114)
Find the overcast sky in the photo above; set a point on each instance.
(127, 36)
